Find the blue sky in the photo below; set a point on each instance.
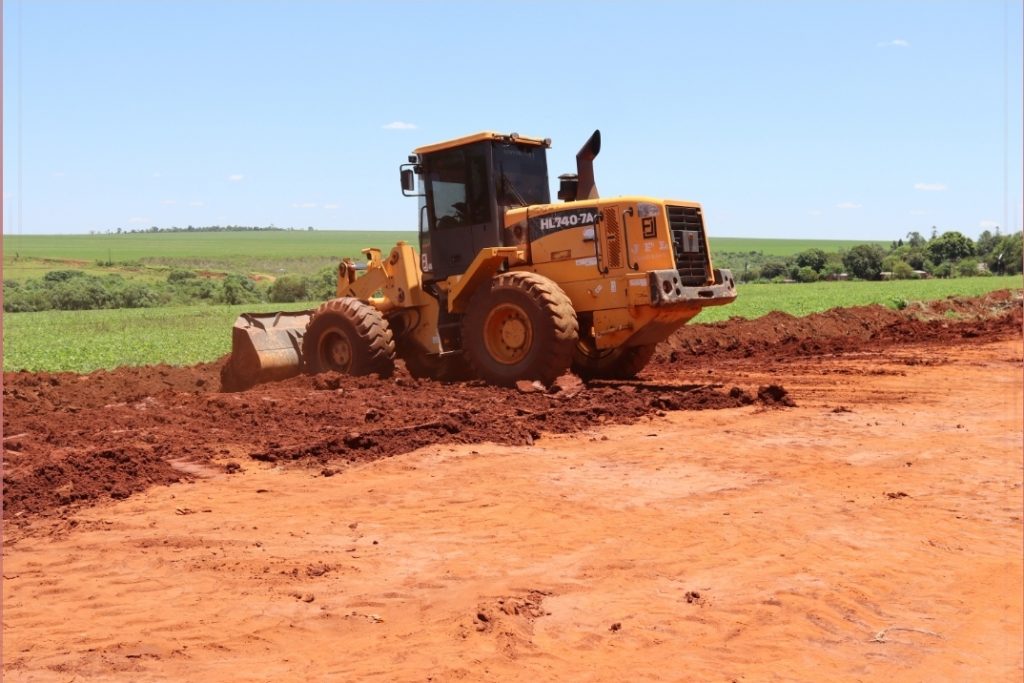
(845, 120)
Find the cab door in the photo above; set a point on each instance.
(460, 207)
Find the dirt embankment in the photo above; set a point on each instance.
(70, 439)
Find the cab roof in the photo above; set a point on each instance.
(484, 135)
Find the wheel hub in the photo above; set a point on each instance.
(508, 334)
(336, 352)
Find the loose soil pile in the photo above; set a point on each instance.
(71, 439)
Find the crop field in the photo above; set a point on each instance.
(151, 255)
(82, 341)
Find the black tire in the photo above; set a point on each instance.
(452, 368)
(522, 327)
(347, 335)
(624, 362)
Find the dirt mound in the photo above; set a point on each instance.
(779, 336)
(71, 439)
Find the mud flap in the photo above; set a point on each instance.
(264, 347)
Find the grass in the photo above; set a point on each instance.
(152, 255)
(781, 247)
(756, 300)
(82, 341)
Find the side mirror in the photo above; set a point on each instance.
(408, 180)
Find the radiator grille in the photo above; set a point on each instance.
(686, 226)
(612, 238)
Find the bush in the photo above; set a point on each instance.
(773, 269)
(62, 275)
(178, 275)
(902, 271)
(287, 289)
(323, 285)
(238, 289)
(806, 274)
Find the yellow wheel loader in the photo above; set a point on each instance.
(507, 285)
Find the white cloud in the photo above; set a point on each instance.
(156, 174)
(197, 203)
(917, 212)
(332, 206)
(168, 202)
(304, 205)
(988, 225)
(140, 220)
(58, 174)
(399, 125)
(931, 187)
(898, 42)
(848, 205)
(813, 212)
(235, 177)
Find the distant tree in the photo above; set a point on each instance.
(864, 261)
(1005, 255)
(815, 259)
(773, 269)
(951, 246)
(916, 239)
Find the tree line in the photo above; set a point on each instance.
(951, 254)
(203, 228)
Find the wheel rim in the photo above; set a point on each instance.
(335, 351)
(593, 353)
(508, 334)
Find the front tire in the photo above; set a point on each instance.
(349, 336)
(522, 327)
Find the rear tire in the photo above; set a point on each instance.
(349, 336)
(522, 327)
(624, 362)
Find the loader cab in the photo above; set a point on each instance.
(464, 187)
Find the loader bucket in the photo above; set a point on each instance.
(264, 347)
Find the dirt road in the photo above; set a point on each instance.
(870, 531)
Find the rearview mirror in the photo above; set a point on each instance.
(408, 180)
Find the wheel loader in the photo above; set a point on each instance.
(507, 285)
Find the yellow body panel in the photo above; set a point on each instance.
(604, 267)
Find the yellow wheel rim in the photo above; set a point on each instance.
(508, 334)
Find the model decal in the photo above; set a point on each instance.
(561, 220)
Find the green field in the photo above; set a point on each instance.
(82, 341)
(151, 255)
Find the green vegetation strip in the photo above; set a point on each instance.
(82, 341)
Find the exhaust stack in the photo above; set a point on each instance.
(587, 189)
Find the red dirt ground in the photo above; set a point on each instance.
(88, 460)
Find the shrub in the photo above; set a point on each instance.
(62, 275)
(178, 275)
(287, 289)
(902, 271)
(806, 274)
(773, 269)
(238, 289)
